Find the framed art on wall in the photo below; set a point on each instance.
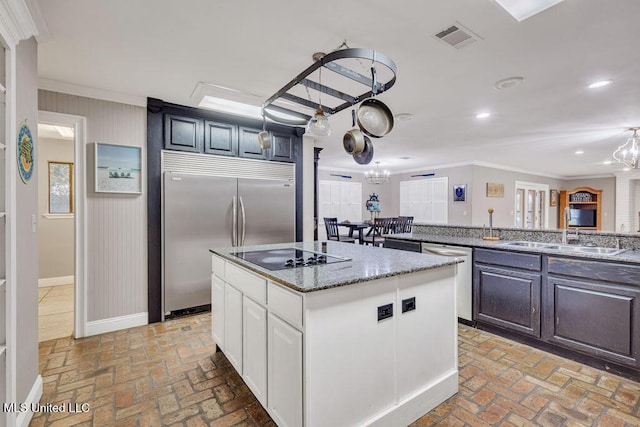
(118, 169)
(495, 190)
(553, 198)
(460, 193)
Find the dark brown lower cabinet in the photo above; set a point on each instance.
(598, 319)
(507, 298)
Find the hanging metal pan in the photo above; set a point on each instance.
(353, 140)
(365, 157)
(375, 119)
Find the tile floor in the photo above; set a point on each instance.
(55, 312)
(167, 374)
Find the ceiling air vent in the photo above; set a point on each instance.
(457, 36)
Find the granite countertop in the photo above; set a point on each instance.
(631, 256)
(367, 263)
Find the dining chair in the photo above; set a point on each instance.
(331, 224)
(404, 224)
(380, 226)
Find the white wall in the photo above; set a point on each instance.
(503, 207)
(116, 223)
(55, 235)
(27, 242)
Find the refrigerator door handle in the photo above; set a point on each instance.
(234, 221)
(243, 221)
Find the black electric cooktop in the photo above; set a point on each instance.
(282, 259)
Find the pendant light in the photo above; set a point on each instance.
(319, 123)
(628, 153)
(377, 177)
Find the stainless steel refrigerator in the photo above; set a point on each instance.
(201, 212)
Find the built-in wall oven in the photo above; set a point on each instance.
(464, 275)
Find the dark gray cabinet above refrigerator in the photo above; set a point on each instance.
(195, 135)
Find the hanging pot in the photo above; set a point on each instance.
(365, 157)
(264, 138)
(353, 140)
(375, 119)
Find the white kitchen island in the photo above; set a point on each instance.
(309, 344)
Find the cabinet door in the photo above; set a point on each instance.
(254, 348)
(598, 319)
(507, 298)
(248, 144)
(282, 147)
(217, 310)
(284, 372)
(233, 326)
(220, 138)
(182, 133)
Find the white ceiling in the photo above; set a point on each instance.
(163, 48)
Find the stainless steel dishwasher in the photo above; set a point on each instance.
(463, 275)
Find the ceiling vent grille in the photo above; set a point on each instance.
(457, 36)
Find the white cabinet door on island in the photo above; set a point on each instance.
(369, 338)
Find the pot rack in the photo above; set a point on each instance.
(328, 61)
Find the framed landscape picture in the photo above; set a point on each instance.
(118, 169)
(553, 200)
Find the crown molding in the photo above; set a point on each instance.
(91, 92)
(16, 22)
(42, 30)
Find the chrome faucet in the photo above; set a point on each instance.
(565, 236)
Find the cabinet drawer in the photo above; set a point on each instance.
(249, 284)
(531, 262)
(217, 266)
(590, 269)
(403, 245)
(285, 304)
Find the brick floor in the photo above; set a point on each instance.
(167, 374)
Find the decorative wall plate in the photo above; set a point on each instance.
(26, 152)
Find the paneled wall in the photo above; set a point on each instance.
(116, 223)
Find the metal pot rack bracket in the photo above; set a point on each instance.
(327, 61)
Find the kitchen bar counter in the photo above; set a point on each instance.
(371, 341)
(367, 263)
(629, 256)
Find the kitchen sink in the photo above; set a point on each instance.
(586, 249)
(527, 244)
(567, 248)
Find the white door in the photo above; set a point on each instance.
(284, 372)
(233, 326)
(217, 310)
(530, 205)
(254, 348)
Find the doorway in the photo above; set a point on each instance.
(61, 225)
(530, 205)
(56, 224)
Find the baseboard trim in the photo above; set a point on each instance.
(56, 281)
(111, 324)
(413, 407)
(32, 398)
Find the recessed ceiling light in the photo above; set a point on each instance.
(626, 169)
(579, 152)
(607, 162)
(508, 83)
(483, 115)
(404, 116)
(601, 83)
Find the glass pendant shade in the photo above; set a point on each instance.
(377, 177)
(319, 124)
(629, 152)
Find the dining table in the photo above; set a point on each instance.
(353, 226)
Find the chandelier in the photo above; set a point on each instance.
(377, 177)
(628, 153)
